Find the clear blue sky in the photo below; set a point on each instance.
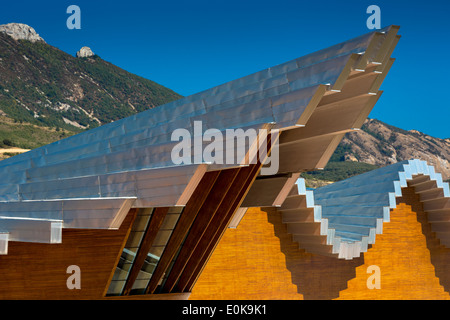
(190, 46)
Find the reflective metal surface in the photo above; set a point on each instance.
(352, 212)
(90, 179)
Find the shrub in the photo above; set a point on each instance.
(7, 142)
(336, 171)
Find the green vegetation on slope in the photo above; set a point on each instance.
(337, 168)
(47, 94)
(44, 86)
(336, 171)
(28, 136)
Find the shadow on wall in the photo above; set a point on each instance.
(440, 255)
(316, 277)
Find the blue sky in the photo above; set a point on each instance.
(190, 46)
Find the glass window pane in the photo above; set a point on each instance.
(176, 209)
(120, 274)
(134, 239)
(140, 223)
(116, 287)
(128, 254)
(156, 251)
(162, 237)
(170, 221)
(141, 283)
(149, 265)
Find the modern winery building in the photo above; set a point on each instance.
(112, 204)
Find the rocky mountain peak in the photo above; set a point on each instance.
(20, 31)
(85, 52)
(381, 144)
(43, 86)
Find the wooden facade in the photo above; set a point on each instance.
(258, 260)
(412, 263)
(91, 181)
(39, 271)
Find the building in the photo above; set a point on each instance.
(113, 204)
(330, 242)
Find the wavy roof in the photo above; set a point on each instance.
(343, 218)
(92, 179)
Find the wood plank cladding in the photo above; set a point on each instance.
(217, 227)
(149, 236)
(187, 218)
(412, 263)
(212, 218)
(258, 260)
(209, 208)
(38, 271)
(220, 222)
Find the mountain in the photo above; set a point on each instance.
(47, 94)
(52, 94)
(20, 31)
(381, 144)
(378, 144)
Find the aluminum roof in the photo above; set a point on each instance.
(90, 180)
(350, 213)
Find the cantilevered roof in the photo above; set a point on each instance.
(92, 179)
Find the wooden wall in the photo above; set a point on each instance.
(258, 260)
(409, 257)
(38, 271)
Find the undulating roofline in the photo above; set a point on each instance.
(343, 218)
(92, 179)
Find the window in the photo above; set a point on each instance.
(153, 256)
(157, 249)
(129, 252)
